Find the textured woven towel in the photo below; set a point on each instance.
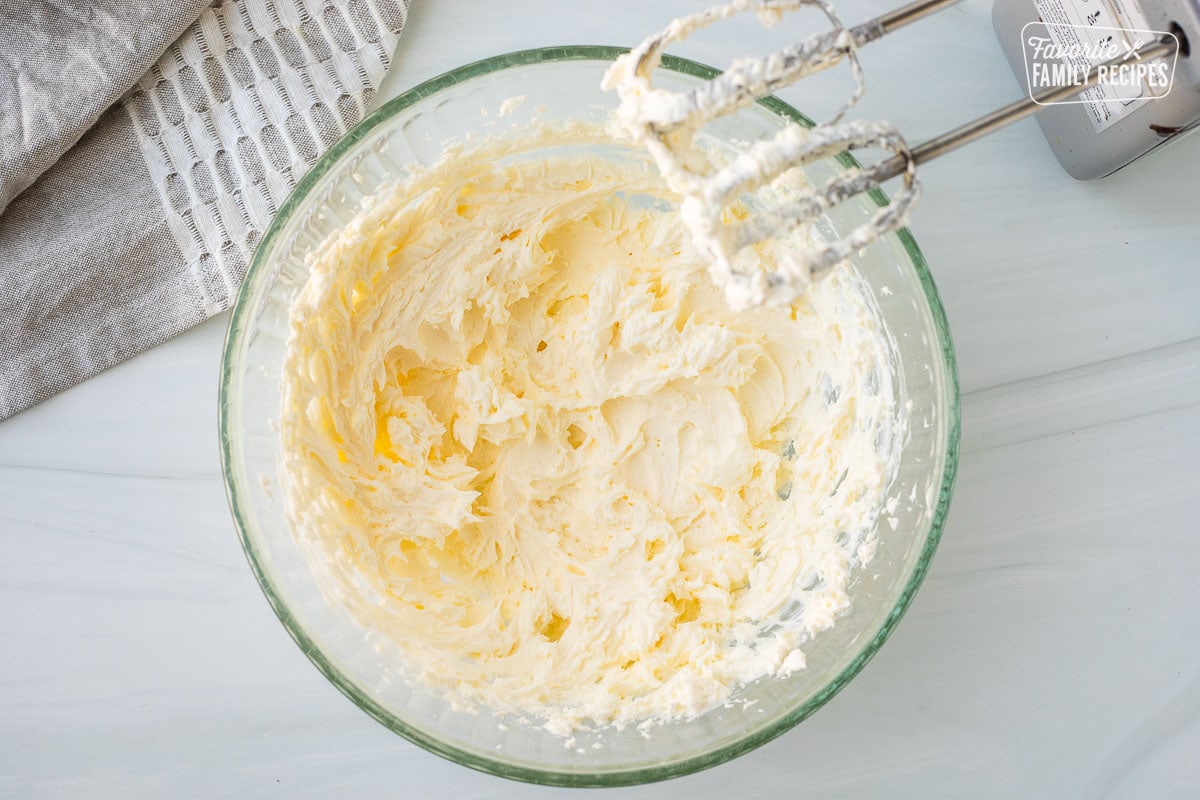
(144, 148)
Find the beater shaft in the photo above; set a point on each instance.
(1016, 111)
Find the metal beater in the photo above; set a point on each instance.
(666, 123)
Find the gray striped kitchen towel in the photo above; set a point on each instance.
(144, 148)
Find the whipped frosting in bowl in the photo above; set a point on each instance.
(533, 446)
(538, 499)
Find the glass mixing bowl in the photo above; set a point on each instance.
(563, 83)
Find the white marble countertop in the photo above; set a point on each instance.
(1052, 652)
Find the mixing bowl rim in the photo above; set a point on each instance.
(234, 480)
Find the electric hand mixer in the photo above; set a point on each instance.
(666, 123)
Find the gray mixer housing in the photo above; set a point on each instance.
(1084, 153)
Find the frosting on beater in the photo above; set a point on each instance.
(668, 123)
